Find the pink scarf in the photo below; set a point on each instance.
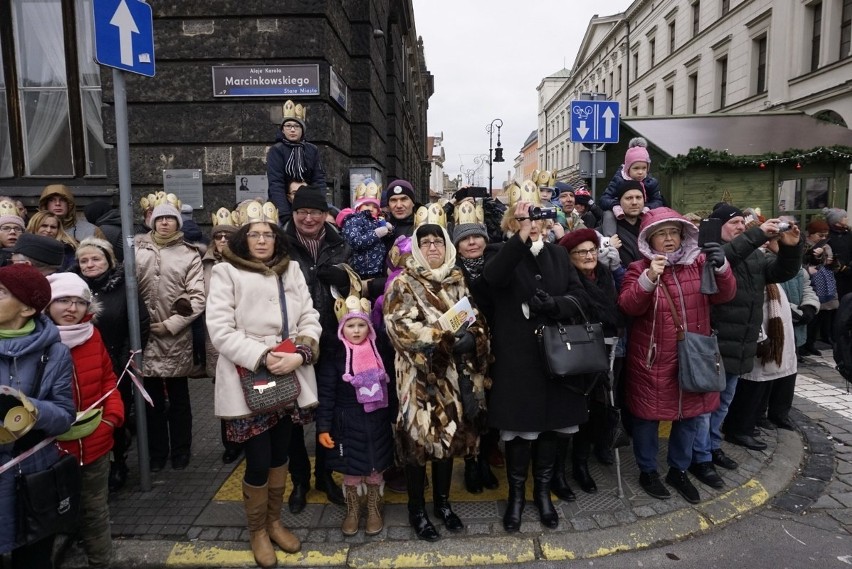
(76, 334)
(364, 368)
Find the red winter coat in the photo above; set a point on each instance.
(653, 392)
(93, 377)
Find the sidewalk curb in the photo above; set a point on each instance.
(776, 474)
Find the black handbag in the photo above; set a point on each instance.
(573, 349)
(47, 502)
(265, 391)
(699, 363)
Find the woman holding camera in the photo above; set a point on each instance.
(531, 278)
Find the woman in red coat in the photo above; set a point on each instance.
(90, 439)
(673, 259)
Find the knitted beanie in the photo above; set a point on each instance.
(725, 212)
(13, 219)
(341, 217)
(627, 185)
(166, 210)
(401, 188)
(636, 154)
(834, 215)
(465, 230)
(309, 197)
(27, 284)
(101, 245)
(40, 248)
(817, 226)
(64, 285)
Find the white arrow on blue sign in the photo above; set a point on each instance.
(594, 122)
(124, 35)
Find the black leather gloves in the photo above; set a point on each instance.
(465, 343)
(544, 304)
(808, 313)
(333, 276)
(715, 254)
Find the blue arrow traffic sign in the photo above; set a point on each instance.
(124, 35)
(594, 122)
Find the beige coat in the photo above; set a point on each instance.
(244, 321)
(166, 274)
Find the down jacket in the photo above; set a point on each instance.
(94, 377)
(166, 274)
(244, 320)
(18, 363)
(653, 392)
(276, 159)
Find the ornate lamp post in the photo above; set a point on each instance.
(498, 152)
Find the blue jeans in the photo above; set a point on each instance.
(709, 437)
(646, 443)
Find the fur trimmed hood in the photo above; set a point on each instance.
(278, 268)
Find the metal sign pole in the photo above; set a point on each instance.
(131, 285)
(594, 172)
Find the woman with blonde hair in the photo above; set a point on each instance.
(50, 225)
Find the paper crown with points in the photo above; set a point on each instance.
(527, 191)
(543, 178)
(368, 189)
(153, 200)
(433, 213)
(352, 301)
(18, 415)
(223, 216)
(292, 110)
(8, 208)
(254, 211)
(469, 211)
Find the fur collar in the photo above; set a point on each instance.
(278, 268)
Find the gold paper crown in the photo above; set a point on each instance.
(293, 111)
(433, 213)
(223, 216)
(8, 208)
(468, 211)
(527, 192)
(253, 211)
(153, 200)
(370, 189)
(543, 178)
(352, 302)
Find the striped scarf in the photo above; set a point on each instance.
(772, 348)
(312, 245)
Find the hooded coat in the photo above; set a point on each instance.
(166, 274)
(431, 424)
(276, 159)
(79, 229)
(55, 404)
(653, 391)
(244, 320)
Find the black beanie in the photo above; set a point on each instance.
(310, 197)
(96, 210)
(725, 211)
(628, 185)
(40, 248)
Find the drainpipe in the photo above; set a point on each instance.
(627, 68)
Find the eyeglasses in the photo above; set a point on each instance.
(12, 229)
(292, 126)
(584, 252)
(267, 235)
(314, 213)
(66, 302)
(436, 243)
(221, 237)
(666, 233)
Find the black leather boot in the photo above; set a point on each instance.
(472, 479)
(488, 479)
(544, 461)
(517, 465)
(324, 479)
(559, 483)
(581, 474)
(442, 477)
(415, 480)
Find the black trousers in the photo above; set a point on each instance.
(121, 435)
(170, 420)
(745, 407)
(300, 463)
(778, 399)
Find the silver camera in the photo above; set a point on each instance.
(783, 226)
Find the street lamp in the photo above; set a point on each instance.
(498, 152)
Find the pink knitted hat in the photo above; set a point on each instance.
(636, 154)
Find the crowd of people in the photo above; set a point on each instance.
(413, 331)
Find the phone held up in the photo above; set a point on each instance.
(710, 231)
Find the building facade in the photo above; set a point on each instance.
(368, 111)
(527, 161)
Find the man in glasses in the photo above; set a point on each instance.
(292, 158)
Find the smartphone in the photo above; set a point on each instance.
(710, 231)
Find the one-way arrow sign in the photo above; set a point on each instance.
(594, 122)
(124, 35)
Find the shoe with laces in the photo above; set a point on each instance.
(723, 460)
(679, 480)
(651, 483)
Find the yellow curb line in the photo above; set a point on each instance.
(202, 555)
(457, 553)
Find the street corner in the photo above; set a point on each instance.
(465, 552)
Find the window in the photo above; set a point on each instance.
(760, 64)
(619, 78)
(803, 197)
(846, 29)
(611, 83)
(722, 81)
(816, 34)
(52, 125)
(671, 37)
(692, 93)
(635, 65)
(604, 86)
(696, 10)
(726, 7)
(634, 111)
(670, 100)
(652, 48)
(650, 106)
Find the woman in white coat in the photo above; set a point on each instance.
(255, 281)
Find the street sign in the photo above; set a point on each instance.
(124, 35)
(594, 122)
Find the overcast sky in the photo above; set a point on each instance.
(488, 57)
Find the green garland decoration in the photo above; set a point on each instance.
(699, 156)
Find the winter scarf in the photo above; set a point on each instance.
(367, 375)
(312, 244)
(76, 334)
(295, 165)
(474, 267)
(164, 241)
(772, 348)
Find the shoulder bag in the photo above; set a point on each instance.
(699, 364)
(265, 391)
(570, 350)
(47, 502)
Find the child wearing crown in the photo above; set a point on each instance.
(353, 415)
(363, 228)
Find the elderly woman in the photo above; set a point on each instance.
(172, 283)
(259, 298)
(26, 335)
(583, 246)
(672, 260)
(432, 366)
(532, 280)
(96, 264)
